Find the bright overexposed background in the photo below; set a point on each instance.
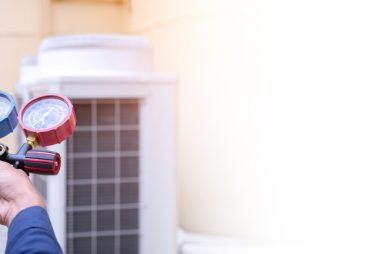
(280, 109)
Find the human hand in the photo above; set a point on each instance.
(16, 193)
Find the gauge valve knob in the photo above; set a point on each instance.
(42, 162)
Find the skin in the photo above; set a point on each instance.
(16, 193)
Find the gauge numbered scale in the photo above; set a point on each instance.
(49, 118)
(8, 114)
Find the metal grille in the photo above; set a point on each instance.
(103, 178)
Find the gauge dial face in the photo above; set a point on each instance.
(5, 106)
(45, 113)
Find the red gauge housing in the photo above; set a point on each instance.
(55, 134)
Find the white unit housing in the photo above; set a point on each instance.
(116, 189)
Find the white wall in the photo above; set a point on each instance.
(324, 101)
(280, 118)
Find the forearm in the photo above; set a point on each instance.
(31, 232)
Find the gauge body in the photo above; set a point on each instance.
(8, 114)
(50, 118)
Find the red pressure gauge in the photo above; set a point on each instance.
(49, 118)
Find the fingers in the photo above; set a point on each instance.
(7, 170)
(5, 165)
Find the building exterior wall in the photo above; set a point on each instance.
(87, 17)
(279, 118)
(217, 51)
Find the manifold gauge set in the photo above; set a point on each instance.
(46, 120)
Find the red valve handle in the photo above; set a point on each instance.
(42, 162)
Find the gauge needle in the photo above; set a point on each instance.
(47, 113)
(42, 120)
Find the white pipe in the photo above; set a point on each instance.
(192, 243)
